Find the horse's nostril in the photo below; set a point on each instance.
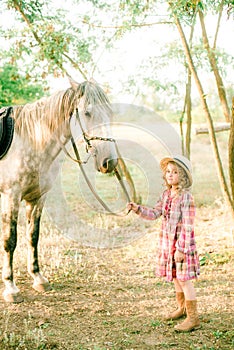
(105, 163)
(108, 165)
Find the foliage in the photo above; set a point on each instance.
(57, 41)
(215, 258)
(16, 88)
(46, 38)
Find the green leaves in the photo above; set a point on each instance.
(16, 88)
(54, 40)
(215, 258)
(47, 36)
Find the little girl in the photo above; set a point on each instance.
(177, 259)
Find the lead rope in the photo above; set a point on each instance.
(78, 160)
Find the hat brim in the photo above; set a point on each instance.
(164, 162)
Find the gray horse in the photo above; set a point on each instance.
(27, 171)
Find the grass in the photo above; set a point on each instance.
(110, 299)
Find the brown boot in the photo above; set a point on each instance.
(181, 308)
(192, 320)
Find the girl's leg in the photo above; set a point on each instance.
(192, 320)
(180, 299)
(177, 285)
(188, 289)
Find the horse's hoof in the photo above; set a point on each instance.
(13, 298)
(43, 287)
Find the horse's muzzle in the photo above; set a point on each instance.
(108, 165)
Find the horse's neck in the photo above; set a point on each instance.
(38, 124)
(54, 147)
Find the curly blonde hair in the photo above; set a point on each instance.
(184, 183)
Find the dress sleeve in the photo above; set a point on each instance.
(151, 213)
(186, 241)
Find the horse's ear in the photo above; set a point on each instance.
(93, 81)
(73, 83)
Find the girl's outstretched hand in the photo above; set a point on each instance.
(132, 206)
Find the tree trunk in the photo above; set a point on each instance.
(186, 141)
(188, 100)
(212, 60)
(218, 24)
(217, 128)
(221, 176)
(188, 95)
(189, 115)
(231, 151)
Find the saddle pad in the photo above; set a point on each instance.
(3, 113)
(6, 130)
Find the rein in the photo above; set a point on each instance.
(89, 148)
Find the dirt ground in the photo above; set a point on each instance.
(105, 299)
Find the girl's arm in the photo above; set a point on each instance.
(147, 213)
(186, 241)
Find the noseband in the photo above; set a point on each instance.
(92, 150)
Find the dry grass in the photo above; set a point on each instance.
(109, 299)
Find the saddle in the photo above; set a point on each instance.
(6, 130)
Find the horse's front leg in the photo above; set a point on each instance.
(10, 209)
(33, 212)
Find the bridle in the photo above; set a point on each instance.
(90, 149)
(88, 138)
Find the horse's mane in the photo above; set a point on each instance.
(37, 121)
(93, 94)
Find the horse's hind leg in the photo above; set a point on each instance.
(33, 212)
(10, 209)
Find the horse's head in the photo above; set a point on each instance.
(95, 113)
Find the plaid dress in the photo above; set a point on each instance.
(177, 232)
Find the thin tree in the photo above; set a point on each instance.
(231, 151)
(221, 176)
(188, 98)
(213, 63)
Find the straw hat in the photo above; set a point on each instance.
(182, 161)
